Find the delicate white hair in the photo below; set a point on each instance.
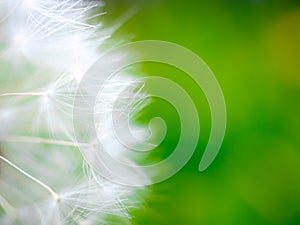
(46, 46)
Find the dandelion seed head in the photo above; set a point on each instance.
(56, 45)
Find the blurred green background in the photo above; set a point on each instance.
(253, 48)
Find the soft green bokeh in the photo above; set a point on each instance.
(253, 47)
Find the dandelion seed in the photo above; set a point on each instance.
(54, 194)
(44, 177)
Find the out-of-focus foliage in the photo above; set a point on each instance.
(253, 47)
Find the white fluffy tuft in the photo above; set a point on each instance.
(46, 46)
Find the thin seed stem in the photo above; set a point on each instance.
(24, 94)
(39, 140)
(54, 194)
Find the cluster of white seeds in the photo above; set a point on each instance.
(46, 47)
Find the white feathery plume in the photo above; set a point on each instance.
(46, 46)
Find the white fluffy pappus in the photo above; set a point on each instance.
(46, 46)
